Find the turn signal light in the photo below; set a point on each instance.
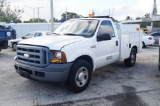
(56, 61)
(137, 29)
(90, 15)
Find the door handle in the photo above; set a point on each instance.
(94, 46)
(116, 43)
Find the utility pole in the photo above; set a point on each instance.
(38, 12)
(33, 14)
(52, 22)
(112, 12)
(66, 14)
(93, 13)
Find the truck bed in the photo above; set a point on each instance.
(129, 36)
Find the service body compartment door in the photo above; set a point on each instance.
(125, 43)
(130, 37)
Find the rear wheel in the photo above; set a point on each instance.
(14, 46)
(143, 45)
(79, 76)
(130, 62)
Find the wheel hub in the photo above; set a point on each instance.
(81, 76)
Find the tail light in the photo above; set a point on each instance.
(150, 38)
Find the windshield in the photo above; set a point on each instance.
(79, 27)
(29, 35)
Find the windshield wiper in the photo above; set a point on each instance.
(72, 34)
(55, 33)
(69, 34)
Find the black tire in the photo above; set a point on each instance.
(74, 84)
(143, 45)
(130, 62)
(14, 46)
(0, 50)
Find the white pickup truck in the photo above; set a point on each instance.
(76, 49)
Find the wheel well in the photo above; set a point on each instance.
(88, 59)
(135, 48)
(14, 43)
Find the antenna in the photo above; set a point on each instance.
(113, 12)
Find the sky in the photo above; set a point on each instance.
(119, 9)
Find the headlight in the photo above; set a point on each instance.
(57, 57)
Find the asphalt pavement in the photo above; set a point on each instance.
(113, 85)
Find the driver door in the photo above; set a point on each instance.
(107, 51)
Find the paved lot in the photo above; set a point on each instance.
(113, 85)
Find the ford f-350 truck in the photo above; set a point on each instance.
(76, 49)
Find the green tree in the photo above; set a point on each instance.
(147, 15)
(138, 18)
(71, 15)
(35, 20)
(54, 19)
(128, 18)
(8, 15)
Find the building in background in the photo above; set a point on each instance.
(151, 24)
(155, 20)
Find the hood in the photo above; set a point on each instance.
(16, 40)
(53, 42)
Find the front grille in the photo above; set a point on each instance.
(32, 55)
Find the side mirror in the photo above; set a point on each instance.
(23, 37)
(49, 33)
(103, 37)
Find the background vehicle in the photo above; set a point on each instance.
(13, 43)
(6, 33)
(147, 40)
(145, 30)
(156, 36)
(77, 48)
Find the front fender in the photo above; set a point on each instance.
(73, 55)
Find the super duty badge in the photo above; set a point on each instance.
(109, 58)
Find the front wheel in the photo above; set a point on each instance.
(14, 46)
(79, 76)
(130, 62)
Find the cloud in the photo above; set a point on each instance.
(140, 9)
(27, 5)
(136, 8)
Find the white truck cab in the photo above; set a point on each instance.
(76, 49)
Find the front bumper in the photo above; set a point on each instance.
(52, 73)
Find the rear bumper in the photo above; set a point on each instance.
(52, 73)
(150, 42)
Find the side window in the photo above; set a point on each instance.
(106, 28)
(37, 34)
